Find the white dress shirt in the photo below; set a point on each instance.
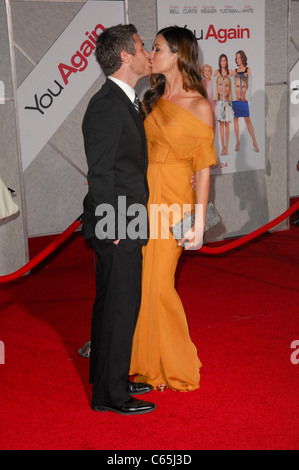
(129, 91)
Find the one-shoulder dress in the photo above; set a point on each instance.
(179, 144)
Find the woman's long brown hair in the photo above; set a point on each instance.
(183, 42)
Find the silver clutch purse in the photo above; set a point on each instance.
(212, 218)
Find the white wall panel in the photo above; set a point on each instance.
(37, 25)
(54, 198)
(276, 41)
(5, 70)
(13, 249)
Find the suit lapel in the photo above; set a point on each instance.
(137, 118)
(122, 96)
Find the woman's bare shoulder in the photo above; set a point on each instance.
(201, 108)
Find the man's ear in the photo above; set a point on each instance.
(124, 56)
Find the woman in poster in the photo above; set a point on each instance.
(207, 81)
(223, 110)
(223, 66)
(240, 106)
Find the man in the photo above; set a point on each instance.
(116, 153)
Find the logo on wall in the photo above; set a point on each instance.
(78, 63)
(62, 77)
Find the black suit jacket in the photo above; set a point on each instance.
(116, 153)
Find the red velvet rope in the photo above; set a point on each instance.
(250, 236)
(204, 249)
(44, 253)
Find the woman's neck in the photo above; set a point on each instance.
(173, 85)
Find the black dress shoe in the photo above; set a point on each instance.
(137, 388)
(132, 407)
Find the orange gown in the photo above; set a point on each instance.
(179, 144)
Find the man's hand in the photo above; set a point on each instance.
(193, 182)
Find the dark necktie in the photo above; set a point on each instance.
(136, 103)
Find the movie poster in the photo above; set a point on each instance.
(231, 39)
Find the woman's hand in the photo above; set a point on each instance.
(193, 237)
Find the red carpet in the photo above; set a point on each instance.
(242, 309)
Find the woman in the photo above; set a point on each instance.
(207, 81)
(223, 66)
(240, 106)
(179, 128)
(224, 113)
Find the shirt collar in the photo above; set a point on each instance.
(127, 89)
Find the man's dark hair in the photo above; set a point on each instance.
(110, 43)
